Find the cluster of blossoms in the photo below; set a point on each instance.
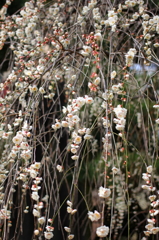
(104, 192)
(22, 146)
(150, 227)
(101, 231)
(120, 120)
(120, 205)
(93, 85)
(71, 121)
(130, 56)
(94, 216)
(72, 113)
(112, 20)
(71, 211)
(5, 214)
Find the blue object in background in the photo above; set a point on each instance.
(141, 69)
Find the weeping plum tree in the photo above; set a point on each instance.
(79, 120)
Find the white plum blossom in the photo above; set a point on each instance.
(70, 236)
(24, 145)
(26, 154)
(69, 203)
(146, 176)
(48, 235)
(36, 232)
(33, 88)
(89, 100)
(73, 211)
(65, 124)
(41, 90)
(60, 168)
(130, 56)
(120, 112)
(57, 125)
(20, 33)
(82, 131)
(80, 101)
(18, 139)
(120, 127)
(36, 165)
(149, 169)
(74, 150)
(69, 209)
(75, 119)
(33, 173)
(35, 187)
(113, 75)
(97, 81)
(49, 228)
(102, 231)
(87, 50)
(41, 220)
(120, 120)
(67, 229)
(157, 121)
(75, 157)
(152, 197)
(115, 170)
(94, 216)
(98, 36)
(35, 196)
(156, 106)
(36, 213)
(104, 192)
(87, 136)
(155, 230)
